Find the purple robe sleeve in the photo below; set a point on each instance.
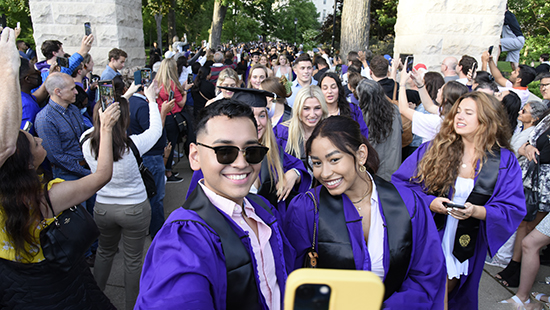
(506, 208)
(298, 227)
(183, 269)
(407, 170)
(290, 162)
(424, 285)
(357, 115)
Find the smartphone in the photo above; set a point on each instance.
(490, 50)
(171, 96)
(62, 61)
(190, 78)
(403, 58)
(474, 70)
(453, 205)
(87, 29)
(330, 289)
(18, 25)
(409, 62)
(143, 77)
(106, 93)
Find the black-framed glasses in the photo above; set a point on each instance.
(227, 154)
(544, 85)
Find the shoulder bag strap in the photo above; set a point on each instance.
(135, 151)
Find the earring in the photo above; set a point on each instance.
(362, 168)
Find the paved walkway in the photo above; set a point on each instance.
(490, 290)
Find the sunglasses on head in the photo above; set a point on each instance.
(227, 154)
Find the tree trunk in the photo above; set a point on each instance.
(158, 20)
(355, 27)
(172, 20)
(217, 23)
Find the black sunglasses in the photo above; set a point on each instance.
(227, 154)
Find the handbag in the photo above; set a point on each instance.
(181, 122)
(146, 174)
(65, 241)
(310, 260)
(532, 195)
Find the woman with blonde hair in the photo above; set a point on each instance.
(280, 175)
(168, 81)
(278, 109)
(471, 180)
(309, 109)
(264, 61)
(258, 73)
(283, 68)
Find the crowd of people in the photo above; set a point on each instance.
(362, 165)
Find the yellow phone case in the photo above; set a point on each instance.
(350, 289)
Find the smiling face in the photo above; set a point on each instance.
(261, 119)
(232, 181)
(256, 78)
(228, 82)
(466, 121)
(336, 169)
(330, 90)
(303, 71)
(311, 112)
(263, 60)
(282, 60)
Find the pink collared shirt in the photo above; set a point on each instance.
(260, 243)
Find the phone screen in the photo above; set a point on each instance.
(403, 58)
(312, 297)
(171, 95)
(490, 50)
(409, 63)
(87, 29)
(190, 78)
(62, 62)
(106, 94)
(145, 77)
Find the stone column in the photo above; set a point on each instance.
(434, 30)
(115, 23)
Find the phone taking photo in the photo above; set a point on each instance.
(409, 62)
(453, 205)
(62, 62)
(143, 77)
(490, 50)
(87, 29)
(171, 96)
(190, 78)
(106, 93)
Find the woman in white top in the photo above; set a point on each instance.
(122, 207)
(427, 125)
(283, 69)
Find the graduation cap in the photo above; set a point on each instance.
(256, 53)
(252, 97)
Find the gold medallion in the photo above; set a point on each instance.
(464, 240)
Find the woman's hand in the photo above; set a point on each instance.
(462, 214)
(152, 91)
(530, 152)
(291, 179)
(110, 116)
(167, 106)
(437, 205)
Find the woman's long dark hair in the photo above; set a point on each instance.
(346, 136)
(120, 138)
(512, 104)
(450, 93)
(433, 81)
(20, 198)
(204, 71)
(343, 104)
(378, 111)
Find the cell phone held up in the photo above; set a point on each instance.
(106, 93)
(87, 29)
(171, 96)
(190, 78)
(409, 62)
(143, 77)
(490, 50)
(453, 205)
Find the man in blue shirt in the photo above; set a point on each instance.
(117, 59)
(30, 78)
(154, 158)
(303, 68)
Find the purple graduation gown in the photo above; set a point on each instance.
(424, 284)
(505, 210)
(185, 265)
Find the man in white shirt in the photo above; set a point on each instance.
(303, 68)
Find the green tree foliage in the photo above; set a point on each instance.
(534, 19)
(18, 11)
